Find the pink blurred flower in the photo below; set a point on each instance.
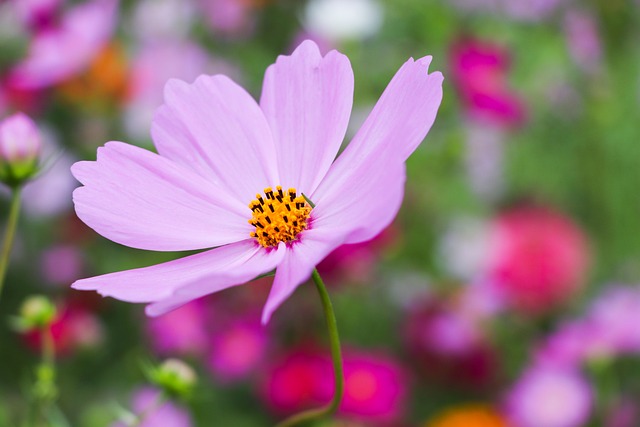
(548, 397)
(57, 53)
(583, 40)
(607, 330)
(293, 382)
(230, 17)
(181, 332)
(375, 385)
(167, 414)
(218, 148)
(238, 350)
(37, 14)
(356, 263)
(62, 264)
(480, 73)
(538, 258)
(375, 388)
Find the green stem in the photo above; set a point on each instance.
(336, 356)
(12, 222)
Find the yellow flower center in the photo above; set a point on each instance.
(278, 216)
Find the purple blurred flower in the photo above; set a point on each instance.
(238, 349)
(550, 397)
(37, 14)
(218, 148)
(230, 17)
(167, 414)
(583, 39)
(181, 332)
(58, 53)
(61, 264)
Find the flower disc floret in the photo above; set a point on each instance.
(279, 216)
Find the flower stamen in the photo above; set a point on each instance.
(279, 216)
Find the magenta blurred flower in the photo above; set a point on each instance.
(218, 148)
(167, 414)
(293, 382)
(61, 264)
(37, 13)
(375, 385)
(480, 73)
(57, 53)
(538, 258)
(548, 397)
(375, 388)
(238, 350)
(181, 332)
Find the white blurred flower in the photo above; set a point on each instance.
(343, 19)
(153, 19)
(463, 247)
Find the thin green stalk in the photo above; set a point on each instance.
(336, 357)
(12, 222)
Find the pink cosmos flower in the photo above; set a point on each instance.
(230, 174)
(59, 52)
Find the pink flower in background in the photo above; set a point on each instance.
(144, 404)
(293, 382)
(181, 332)
(538, 258)
(375, 385)
(548, 397)
(61, 264)
(375, 388)
(607, 330)
(222, 160)
(583, 40)
(58, 53)
(480, 73)
(37, 14)
(237, 350)
(230, 17)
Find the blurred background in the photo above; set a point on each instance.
(506, 293)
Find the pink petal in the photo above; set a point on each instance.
(187, 278)
(307, 100)
(216, 128)
(140, 199)
(60, 53)
(299, 261)
(362, 191)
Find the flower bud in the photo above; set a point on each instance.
(175, 377)
(20, 147)
(37, 311)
